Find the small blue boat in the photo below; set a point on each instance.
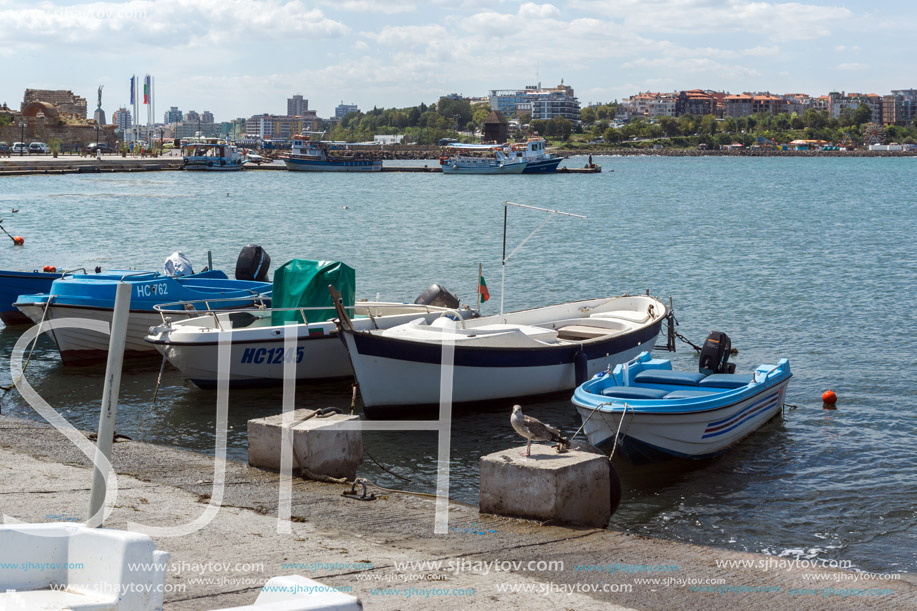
(13, 284)
(657, 413)
(92, 297)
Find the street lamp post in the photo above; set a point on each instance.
(21, 138)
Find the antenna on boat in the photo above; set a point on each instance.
(506, 205)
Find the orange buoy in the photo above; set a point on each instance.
(829, 399)
(18, 240)
(46, 268)
(52, 268)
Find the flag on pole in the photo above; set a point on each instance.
(132, 91)
(146, 89)
(482, 290)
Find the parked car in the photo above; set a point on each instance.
(20, 147)
(39, 148)
(4, 149)
(99, 146)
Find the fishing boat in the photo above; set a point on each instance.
(514, 355)
(652, 412)
(532, 151)
(480, 159)
(211, 154)
(92, 297)
(13, 284)
(307, 155)
(258, 352)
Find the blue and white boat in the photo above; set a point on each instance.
(13, 284)
(532, 151)
(657, 413)
(480, 159)
(93, 297)
(324, 156)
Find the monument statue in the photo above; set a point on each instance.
(99, 115)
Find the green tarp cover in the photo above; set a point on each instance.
(301, 283)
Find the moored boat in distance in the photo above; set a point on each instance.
(211, 154)
(657, 413)
(480, 159)
(532, 151)
(307, 155)
(519, 354)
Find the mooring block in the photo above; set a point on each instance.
(320, 444)
(569, 488)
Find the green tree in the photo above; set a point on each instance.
(708, 125)
(669, 126)
(587, 115)
(539, 126)
(862, 115)
(613, 135)
(561, 127)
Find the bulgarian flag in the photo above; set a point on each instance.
(482, 290)
(146, 89)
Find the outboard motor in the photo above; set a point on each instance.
(438, 296)
(252, 264)
(715, 353)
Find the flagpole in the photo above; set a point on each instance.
(480, 275)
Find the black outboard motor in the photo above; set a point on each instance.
(715, 353)
(253, 264)
(438, 296)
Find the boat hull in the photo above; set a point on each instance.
(393, 372)
(320, 165)
(547, 166)
(84, 347)
(13, 284)
(510, 168)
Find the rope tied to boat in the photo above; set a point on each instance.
(44, 313)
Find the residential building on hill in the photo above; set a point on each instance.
(545, 104)
(695, 102)
(900, 107)
(173, 115)
(297, 106)
(342, 109)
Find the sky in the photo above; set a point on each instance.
(237, 58)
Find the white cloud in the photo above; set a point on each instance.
(371, 6)
(852, 66)
(761, 51)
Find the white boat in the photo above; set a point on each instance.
(530, 352)
(652, 412)
(480, 159)
(212, 154)
(258, 352)
(307, 155)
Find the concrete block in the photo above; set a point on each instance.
(319, 445)
(570, 488)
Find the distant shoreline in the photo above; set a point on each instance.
(748, 153)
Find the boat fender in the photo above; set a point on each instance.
(580, 366)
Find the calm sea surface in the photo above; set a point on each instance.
(811, 259)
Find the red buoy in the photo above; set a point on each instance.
(18, 240)
(829, 397)
(46, 269)
(52, 268)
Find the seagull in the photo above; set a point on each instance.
(15, 210)
(535, 430)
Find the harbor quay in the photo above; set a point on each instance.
(385, 552)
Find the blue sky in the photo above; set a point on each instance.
(242, 57)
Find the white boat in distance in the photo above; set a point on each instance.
(481, 159)
(530, 352)
(258, 352)
(212, 154)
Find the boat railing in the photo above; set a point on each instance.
(163, 309)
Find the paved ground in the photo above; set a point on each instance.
(44, 478)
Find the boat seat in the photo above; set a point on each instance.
(727, 380)
(689, 394)
(579, 332)
(667, 376)
(633, 392)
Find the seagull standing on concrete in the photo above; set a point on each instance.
(535, 430)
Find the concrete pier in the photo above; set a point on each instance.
(570, 488)
(485, 562)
